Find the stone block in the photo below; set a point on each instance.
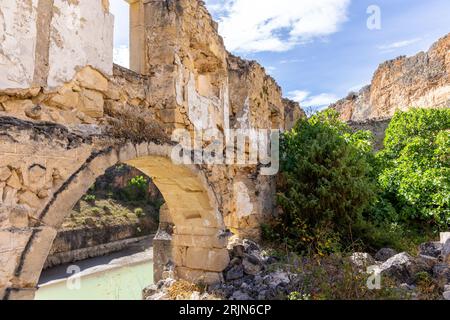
(198, 276)
(208, 259)
(5, 173)
(92, 103)
(92, 79)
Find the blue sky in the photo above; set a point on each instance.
(318, 50)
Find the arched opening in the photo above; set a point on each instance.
(191, 239)
(105, 244)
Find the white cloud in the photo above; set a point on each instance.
(307, 100)
(399, 44)
(265, 25)
(291, 61)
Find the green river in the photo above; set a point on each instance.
(119, 279)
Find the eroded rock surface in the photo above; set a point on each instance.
(421, 81)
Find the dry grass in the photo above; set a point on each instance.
(135, 124)
(182, 290)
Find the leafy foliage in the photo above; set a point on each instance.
(325, 184)
(136, 189)
(415, 166)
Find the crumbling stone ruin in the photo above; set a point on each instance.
(67, 114)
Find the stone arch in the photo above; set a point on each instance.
(191, 240)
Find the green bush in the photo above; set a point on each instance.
(325, 185)
(415, 166)
(139, 212)
(90, 198)
(136, 190)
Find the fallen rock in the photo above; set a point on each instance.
(251, 246)
(430, 261)
(431, 249)
(362, 260)
(240, 296)
(403, 268)
(385, 254)
(442, 271)
(238, 251)
(235, 272)
(252, 264)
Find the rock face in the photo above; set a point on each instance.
(421, 81)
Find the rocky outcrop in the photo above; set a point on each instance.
(421, 81)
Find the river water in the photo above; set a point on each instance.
(119, 276)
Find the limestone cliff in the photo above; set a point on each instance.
(421, 81)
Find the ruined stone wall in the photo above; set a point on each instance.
(44, 42)
(421, 81)
(67, 114)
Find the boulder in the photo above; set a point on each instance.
(431, 249)
(430, 261)
(252, 264)
(236, 272)
(362, 260)
(403, 268)
(250, 246)
(240, 296)
(238, 251)
(442, 271)
(385, 254)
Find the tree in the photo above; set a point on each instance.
(415, 166)
(325, 183)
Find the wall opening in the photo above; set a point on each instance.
(107, 238)
(121, 11)
(129, 42)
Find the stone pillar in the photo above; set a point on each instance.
(137, 36)
(162, 244)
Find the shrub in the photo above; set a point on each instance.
(136, 190)
(90, 198)
(415, 166)
(139, 212)
(325, 184)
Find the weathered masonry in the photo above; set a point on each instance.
(67, 114)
